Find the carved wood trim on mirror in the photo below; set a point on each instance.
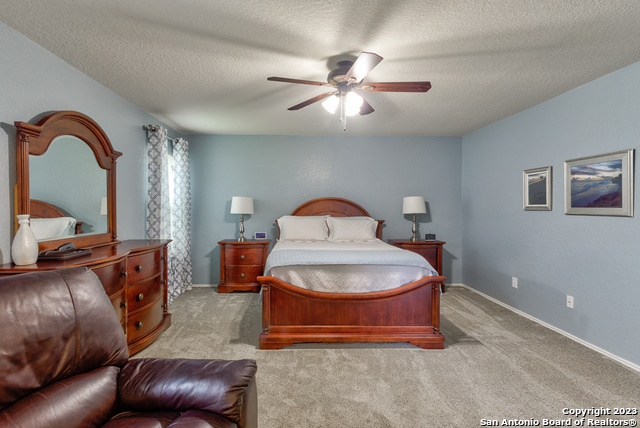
(35, 140)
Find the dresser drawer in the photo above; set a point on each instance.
(243, 273)
(144, 321)
(245, 255)
(112, 277)
(143, 266)
(144, 293)
(118, 302)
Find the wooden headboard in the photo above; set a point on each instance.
(41, 209)
(336, 207)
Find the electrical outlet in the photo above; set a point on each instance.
(569, 301)
(514, 282)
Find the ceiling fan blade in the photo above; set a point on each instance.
(396, 86)
(303, 82)
(365, 108)
(362, 66)
(311, 101)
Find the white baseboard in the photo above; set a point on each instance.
(204, 285)
(556, 329)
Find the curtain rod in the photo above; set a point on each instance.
(154, 128)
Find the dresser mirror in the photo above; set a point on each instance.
(66, 180)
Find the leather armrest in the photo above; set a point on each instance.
(218, 386)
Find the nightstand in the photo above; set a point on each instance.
(241, 263)
(430, 250)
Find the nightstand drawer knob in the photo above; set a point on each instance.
(139, 324)
(139, 268)
(242, 257)
(139, 297)
(242, 275)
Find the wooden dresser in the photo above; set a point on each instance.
(241, 263)
(134, 275)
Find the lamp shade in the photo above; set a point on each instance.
(241, 205)
(413, 205)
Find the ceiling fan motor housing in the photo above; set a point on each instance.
(337, 76)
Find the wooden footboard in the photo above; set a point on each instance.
(410, 313)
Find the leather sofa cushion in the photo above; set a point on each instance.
(217, 386)
(56, 338)
(188, 419)
(83, 400)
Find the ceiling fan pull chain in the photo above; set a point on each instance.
(341, 98)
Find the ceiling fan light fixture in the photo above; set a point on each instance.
(331, 104)
(353, 102)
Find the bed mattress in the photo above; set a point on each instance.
(345, 267)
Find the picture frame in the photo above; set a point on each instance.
(536, 189)
(600, 185)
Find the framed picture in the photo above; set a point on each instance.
(536, 189)
(600, 185)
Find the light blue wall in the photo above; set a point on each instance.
(33, 81)
(282, 172)
(594, 259)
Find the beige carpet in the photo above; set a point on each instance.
(497, 365)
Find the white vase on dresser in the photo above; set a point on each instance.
(24, 249)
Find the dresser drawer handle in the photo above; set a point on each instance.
(242, 257)
(139, 297)
(123, 304)
(242, 275)
(139, 268)
(139, 325)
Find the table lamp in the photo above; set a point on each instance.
(414, 205)
(241, 205)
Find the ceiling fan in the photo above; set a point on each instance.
(347, 77)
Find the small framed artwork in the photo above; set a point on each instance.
(536, 189)
(600, 185)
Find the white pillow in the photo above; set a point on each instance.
(303, 228)
(352, 228)
(49, 228)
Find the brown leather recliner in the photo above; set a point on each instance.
(64, 363)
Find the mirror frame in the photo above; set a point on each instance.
(36, 139)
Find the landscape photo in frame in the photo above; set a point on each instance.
(600, 185)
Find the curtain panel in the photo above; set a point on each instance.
(169, 203)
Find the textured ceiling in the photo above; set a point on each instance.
(201, 66)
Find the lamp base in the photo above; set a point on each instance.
(241, 238)
(414, 230)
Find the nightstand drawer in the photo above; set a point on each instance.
(430, 250)
(245, 255)
(243, 273)
(429, 253)
(143, 266)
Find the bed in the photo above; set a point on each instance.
(294, 314)
(50, 222)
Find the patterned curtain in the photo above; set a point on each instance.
(169, 203)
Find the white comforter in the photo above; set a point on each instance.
(345, 267)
